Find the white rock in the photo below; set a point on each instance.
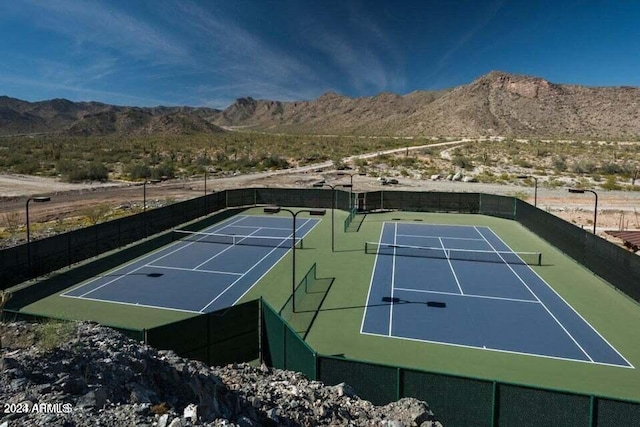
(191, 412)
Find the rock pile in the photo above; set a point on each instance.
(91, 375)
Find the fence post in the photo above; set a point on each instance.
(494, 405)
(592, 411)
(284, 344)
(315, 366)
(260, 331)
(399, 393)
(207, 352)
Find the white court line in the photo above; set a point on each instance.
(544, 306)
(179, 242)
(495, 349)
(569, 305)
(315, 223)
(193, 269)
(223, 251)
(469, 295)
(245, 273)
(133, 304)
(373, 274)
(393, 275)
(451, 266)
(139, 268)
(439, 237)
(266, 228)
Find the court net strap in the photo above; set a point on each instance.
(235, 239)
(530, 258)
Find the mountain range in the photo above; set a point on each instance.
(495, 104)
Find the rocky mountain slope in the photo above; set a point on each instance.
(81, 374)
(495, 104)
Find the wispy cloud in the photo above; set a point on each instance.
(363, 53)
(243, 57)
(81, 93)
(91, 23)
(466, 37)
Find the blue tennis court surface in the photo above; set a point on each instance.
(199, 274)
(492, 301)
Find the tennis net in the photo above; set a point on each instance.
(529, 258)
(235, 239)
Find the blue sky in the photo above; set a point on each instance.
(207, 53)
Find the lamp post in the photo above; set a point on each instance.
(351, 175)
(37, 200)
(595, 210)
(333, 207)
(535, 197)
(277, 209)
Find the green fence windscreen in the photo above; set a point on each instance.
(298, 355)
(430, 201)
(376, 383)
(456, 401)
(616, 413)
(614, 264)
(500, 206)
(523, 407)
(273, 337)
(282, 347)
(301, 291)
(62, 250)
(218, 338)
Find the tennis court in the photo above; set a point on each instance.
(464, 286)
(202, 271)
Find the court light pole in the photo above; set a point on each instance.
(277, 209)
(333, 207)
(37, 200)
(351, 175)
(535, 197)
(595, 210)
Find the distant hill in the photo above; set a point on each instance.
(61, 116)
(495, 104)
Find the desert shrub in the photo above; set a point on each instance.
(559, 164)
(11, 221)
(583, 166)
(462, 162)
(274, 162)
(139, 171)
(95, 213)
(74, 172)
(165, 170)
(610, 169)
(523, 163)
(27, 166)
(611, 183)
